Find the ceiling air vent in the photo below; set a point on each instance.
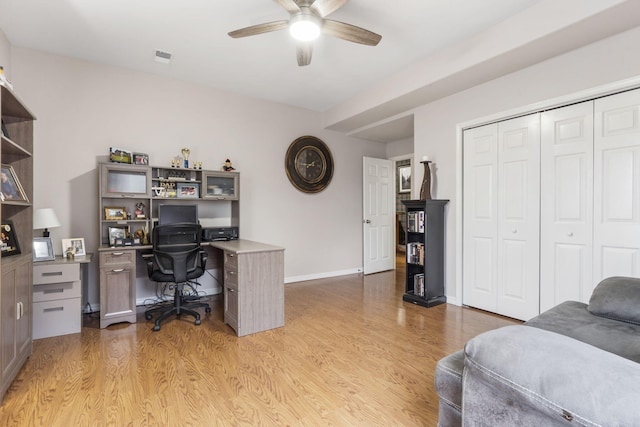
(163, 57)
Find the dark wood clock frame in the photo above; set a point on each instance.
(300, 181)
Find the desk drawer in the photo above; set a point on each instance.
(53, 318)
(119, 257)
(55, 273)
(230, 260)
(56, 291)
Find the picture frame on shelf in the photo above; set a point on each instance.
(117, 234)
(11, 187)
(140, 159)
(404, 179)
(187, 190)
(76, 244)
(9, 241)
(115, 213)
(119, 155)
(43, 249)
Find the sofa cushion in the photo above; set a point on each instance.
(571, 318)
(617, 298)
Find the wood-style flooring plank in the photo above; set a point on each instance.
(351, 353)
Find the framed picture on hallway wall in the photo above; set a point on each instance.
(404, 179)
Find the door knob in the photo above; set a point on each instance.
(570, 234)
(366, 221)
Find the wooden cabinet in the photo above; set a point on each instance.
(253, 286)
(57, 299)
(117, 286)
(425, 252)
(221, 185)
(16, 148)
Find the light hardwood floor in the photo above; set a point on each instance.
(350, 354)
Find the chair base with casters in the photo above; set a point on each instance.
(179, 307)
(177, 258)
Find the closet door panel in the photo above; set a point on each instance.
(518, 217)
(566, 204)
(480, 217)
(617, 189)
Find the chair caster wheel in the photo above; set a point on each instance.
(156, 328)
(197, 322)
(207, 310)
(148, 316)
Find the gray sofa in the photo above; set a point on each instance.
(575, 364)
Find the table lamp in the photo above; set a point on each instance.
(44, 219)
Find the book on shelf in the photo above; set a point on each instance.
(415, 221)
(418, 285)
(415, 253)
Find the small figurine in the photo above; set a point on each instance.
(140, 211)
(227, 166)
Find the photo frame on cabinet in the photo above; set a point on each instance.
(11, 187)
(116, 213)
(188, 191)
(117, 234)
(119, 155)
(9, 241)
(43, 249)
(75, 244)
(404, 179)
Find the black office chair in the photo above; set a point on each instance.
(177, 258)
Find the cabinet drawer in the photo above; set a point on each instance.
(57, 291)
(117, 257)
(231, 260)
(53, 318)
(55, 273)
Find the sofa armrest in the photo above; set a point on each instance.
(519, 375)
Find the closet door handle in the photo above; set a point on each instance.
(570, 234)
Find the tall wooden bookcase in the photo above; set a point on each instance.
(16, 156)
(425, 252)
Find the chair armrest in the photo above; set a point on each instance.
(521, 375)
(203, 259)
(148, 259)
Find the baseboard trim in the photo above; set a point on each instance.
(304, 278)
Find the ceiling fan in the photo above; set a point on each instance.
(307, 21)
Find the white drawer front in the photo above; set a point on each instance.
(57, 291)
(53, 318)
(55, 273)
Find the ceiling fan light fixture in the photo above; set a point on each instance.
(304, 27)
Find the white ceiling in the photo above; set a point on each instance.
(126, 33)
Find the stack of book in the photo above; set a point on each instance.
(415, 221)
(418, 285)
(415, 253)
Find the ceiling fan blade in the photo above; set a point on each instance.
(303, 52)
(350, 32)
(259, 29)
(290, 5)
(327, 7)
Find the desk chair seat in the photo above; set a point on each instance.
(177, 258)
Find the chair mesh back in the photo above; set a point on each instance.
(176, 249)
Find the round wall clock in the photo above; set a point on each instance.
(309, 164)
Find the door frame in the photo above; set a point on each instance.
(585, 95)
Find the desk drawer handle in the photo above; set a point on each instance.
(230, 290)
(117, 254)
(117, 270)
(53, 273)
(231, 255)
(231, 273)
(53, 291)
(54, 309)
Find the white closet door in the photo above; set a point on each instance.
(501, 180)
(480, 217)
(518, 293)
(566, 211)
(617, 186)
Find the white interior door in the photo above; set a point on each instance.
(378, 224)
(519, 217)
(566, 221)
(480, 217)
(617, 186)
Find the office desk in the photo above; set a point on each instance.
(57, 296)
(253, 284)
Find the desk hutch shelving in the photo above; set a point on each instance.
(16, 294)
(425, 252)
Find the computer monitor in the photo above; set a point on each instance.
(171, 214)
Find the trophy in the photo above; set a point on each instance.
(185, 155)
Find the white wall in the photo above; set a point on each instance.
(84, 108)
(603, 62)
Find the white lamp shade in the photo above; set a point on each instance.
(45, 218)
(304, 27)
